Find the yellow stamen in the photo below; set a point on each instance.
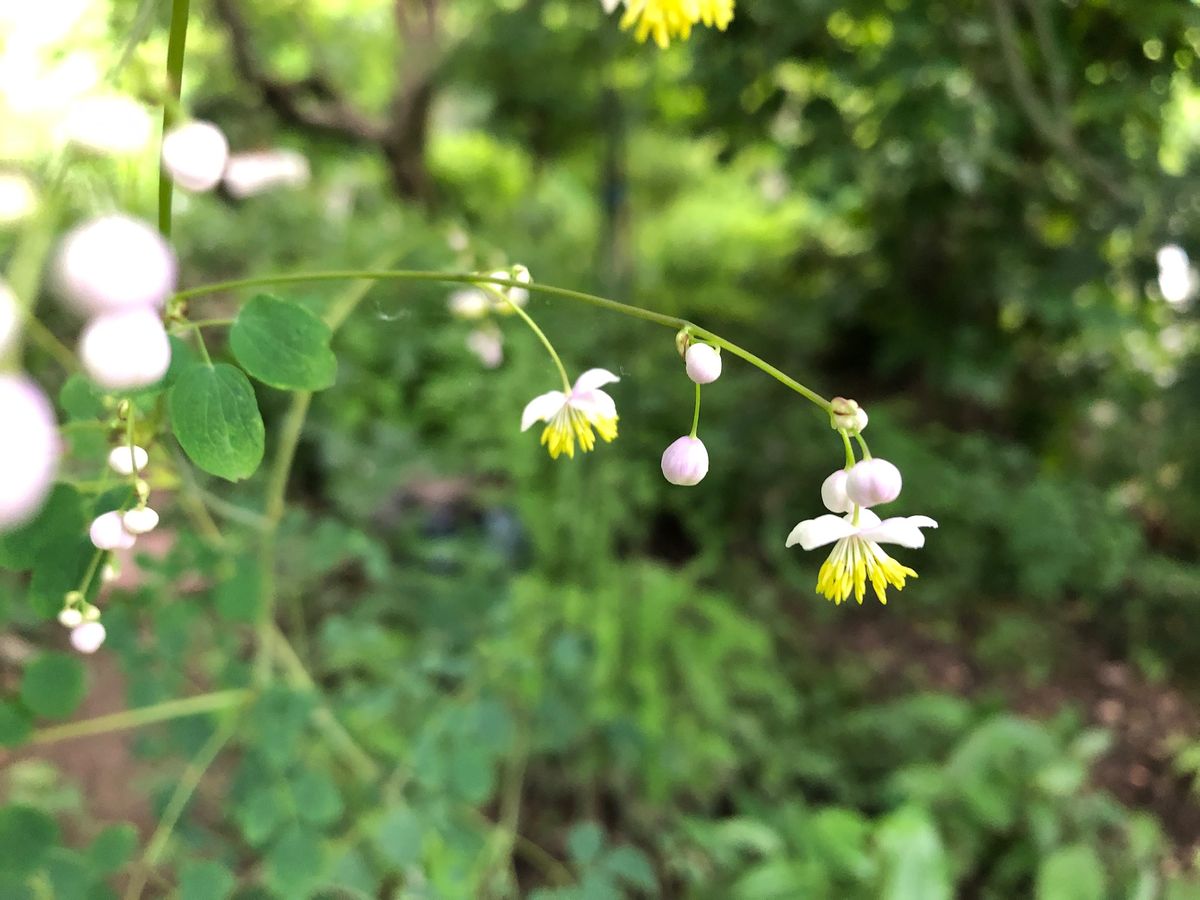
(665, 19)
(852, 563)
(570, 424)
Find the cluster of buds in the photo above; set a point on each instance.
(83, 621)
(477, 304)
(685, 461)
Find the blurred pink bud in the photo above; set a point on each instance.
(247, 174)
(108, 532)
(29, 450)
(488, 345)
(140, 521)
(88, 637)
(685, 462)
(833, 493)
(872, 482)
(194, 155)
(115, 263)
(703, 363)
(125, 350)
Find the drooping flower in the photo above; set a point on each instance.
(665, 19)
(108, 532)
(29, 450)
(872, 482)
(125, 350)
(685, 462)
(194, 155)
(580, 415)
(703, 363)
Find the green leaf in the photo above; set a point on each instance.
(261, 814)
(68, 873)
(26, 836)
(398, 837)
(294, 865)
(215, 417)
(53, 685)
(81, 399)
(61, 519)
(237, 598)
(205, 880)
(15, 723)
(112, 848)
(283, 345)
(915, 864)
(631, 866)
(1071, 873)
(317, 798)
(584, 842)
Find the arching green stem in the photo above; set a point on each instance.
(533, 326)
(696, 414)
(673, 322)
(849, 449)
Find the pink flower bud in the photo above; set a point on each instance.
(833, 493)
(194, 155)
(125, 350)
(140, 521)
(29, 450)
(108, 532)
(703, 363)
(685, 462)
(873, 481)
(88, 637)
(115, 263)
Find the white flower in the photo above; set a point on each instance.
(517, 296)
(9, 316)
(872, 482)
(575, 415)
(29, 449)
(140, 521)
(703, 363)
(488, 345)
(125, 460)
(88, 637)
(125, 350)
(194, 155)
(469, 303)
(115, 263)
(247, 174)
(113, 125)
(108, 532)
(857, 558)
(685, 462)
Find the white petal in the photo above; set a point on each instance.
(610, 5)
(902, 530)
(594, 403)
(542, 408)
(813, 533)
(592, 379)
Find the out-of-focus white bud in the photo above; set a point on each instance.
(247, 174)
(29, 449)
(113, 126)
(70, 617)
(8, 316)
(115, 263)
(488, 345)
(125, 461)
(833, 493)
(1177, 279)
(17, 197)
(703, 363)
(108, 532)
(88, 637)
(873, 481)
(685, 462)
(469, 303)
(140, 521)
(126, 350)
(517, 296)
(194, 155)
(109, 573)
(848, 415)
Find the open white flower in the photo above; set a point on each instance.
(581, 414)
(856, 557)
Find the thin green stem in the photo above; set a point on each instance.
(696, 413)
(533, 326)
(849, 449)
(211, 323)
(145, 715)
(188, 782)
(200, 345)
(624, 309)
(176, 43)
(862, 443)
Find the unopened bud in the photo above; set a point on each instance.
(846, 415)
(703, 363)
(873, 481)
(126, 350)
(88, 637)
(194, 155)
(685, 462)
(70, 617)
(108, 532)
(115, 263)
(126, 460)
(29, 450)
(833, 493)
(140, 521)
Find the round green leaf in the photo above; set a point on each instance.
(205, 880)
(14, 723)
(112, 848)
(26, 836)
(283, 344)
(53, 685)
(215, 417)
(61, 519)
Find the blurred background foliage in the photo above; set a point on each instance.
(569, 679)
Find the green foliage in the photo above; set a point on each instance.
(283, 345)
(215, 418)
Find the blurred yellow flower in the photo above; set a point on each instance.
(665, 19)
